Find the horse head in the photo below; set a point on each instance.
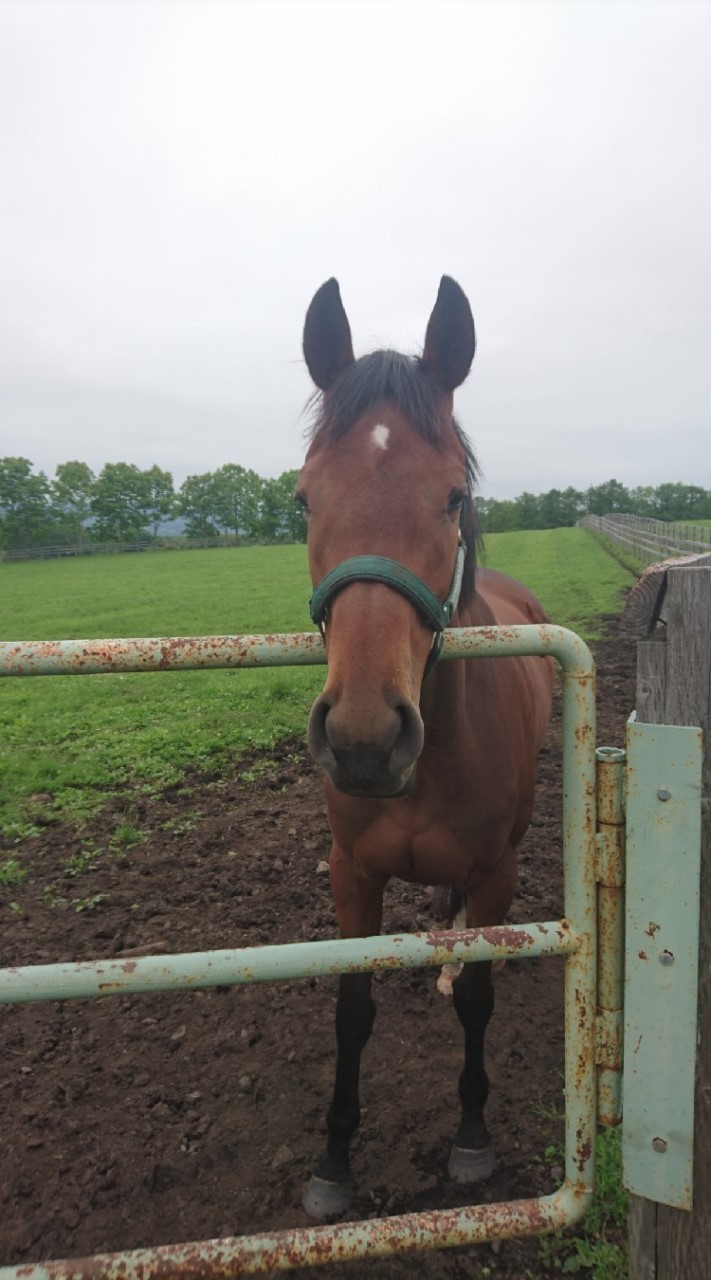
(386, 487)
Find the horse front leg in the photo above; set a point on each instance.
(359, 906)
(472, 1155)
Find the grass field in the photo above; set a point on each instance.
(72, 740)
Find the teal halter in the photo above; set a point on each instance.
(381, 569)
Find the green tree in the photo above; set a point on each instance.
(72, 490)
(606, 497)
(197, 503)
(643, 501)
(238, 500)
(282, 519)
(529, 511)
(560, 508)
(550, 509)
(682, 502)
(161, 496)
(502, 516)
(121, 502)
(24, 507)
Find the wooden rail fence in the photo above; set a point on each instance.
(650, 540)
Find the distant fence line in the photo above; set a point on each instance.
(120, 548)
(646, 539)
(86, 549)
(650, 540)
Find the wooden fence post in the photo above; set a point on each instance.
(674, 687)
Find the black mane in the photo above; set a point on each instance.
(406, 384)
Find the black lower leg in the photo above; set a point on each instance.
(355, 1014)
(474, 1002)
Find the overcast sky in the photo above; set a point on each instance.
(177, 178)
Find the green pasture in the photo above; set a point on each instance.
(691, 524)
(66, 742)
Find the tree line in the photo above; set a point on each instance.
(125, 504)
(560, 507)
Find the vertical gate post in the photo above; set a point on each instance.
(674, 687)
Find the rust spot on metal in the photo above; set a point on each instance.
(447, 939)
(496, 935)
(642, 955)
(585, 1152)
(652, 928)
(507, 936)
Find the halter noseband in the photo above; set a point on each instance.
(393, 574)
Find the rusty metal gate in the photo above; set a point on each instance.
(594, 904)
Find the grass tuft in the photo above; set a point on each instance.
(595, 1248)
(12, 873)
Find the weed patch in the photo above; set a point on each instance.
(12, 873)
(595, 1248)
(89, 903)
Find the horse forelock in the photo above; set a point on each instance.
(405, 383)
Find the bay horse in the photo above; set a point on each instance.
(429, 767)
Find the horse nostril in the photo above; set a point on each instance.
(317, 735)
(365, 757)
(411, 738)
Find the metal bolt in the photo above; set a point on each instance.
(663, 794)
(666, 957)
(659, 1144)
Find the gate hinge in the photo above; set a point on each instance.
(610, 857)
(608, 1059)
(608, 1039)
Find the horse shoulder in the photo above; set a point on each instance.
(505, 601)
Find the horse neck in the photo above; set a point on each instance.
(442, 699)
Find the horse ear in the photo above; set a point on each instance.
(450, 340)
(328, 348)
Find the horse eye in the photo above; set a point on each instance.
(456, 501)
(301, 500)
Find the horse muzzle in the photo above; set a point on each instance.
(376, 762)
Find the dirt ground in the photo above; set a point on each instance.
(139, 1120)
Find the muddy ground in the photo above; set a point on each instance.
(150, 1119)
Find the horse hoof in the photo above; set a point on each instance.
(323, 1200)
(471, 1164)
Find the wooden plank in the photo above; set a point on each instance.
(645, 602)
(651, 678)
(642, 1239)
(684, 1240)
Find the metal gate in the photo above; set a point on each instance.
(593, 868)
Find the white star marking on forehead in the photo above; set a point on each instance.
(380, 436)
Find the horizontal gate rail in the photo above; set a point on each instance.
(311, 1246)
(287, 960)
(300, 649)
(573, 937)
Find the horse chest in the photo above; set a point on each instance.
(427, 851)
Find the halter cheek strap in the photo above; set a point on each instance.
(391, 573)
